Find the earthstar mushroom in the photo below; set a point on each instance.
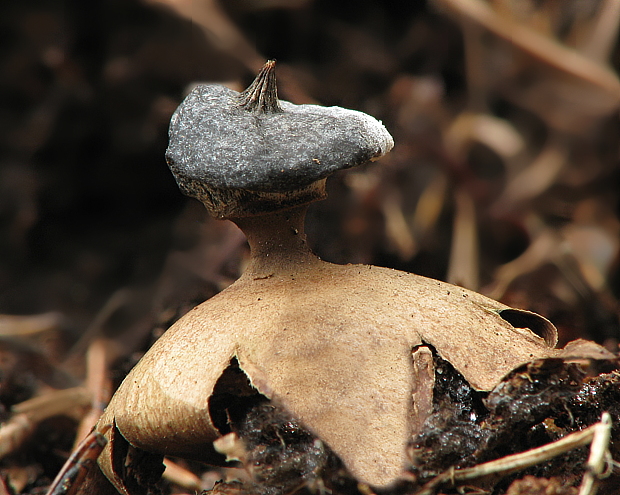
(344, 349)
(247, 153)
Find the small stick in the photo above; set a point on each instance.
(522, 460)
(26, 415)
(4, 489)
(98, 384)
(599, 455)
(76, 468)
(180, 476)
(116, 301)
(14, 433)
(549, 51)
(53, 403)
(28, 325)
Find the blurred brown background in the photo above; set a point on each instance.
(504, 178)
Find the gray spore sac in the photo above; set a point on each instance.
(216, 141)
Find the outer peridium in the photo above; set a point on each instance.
(333, 344)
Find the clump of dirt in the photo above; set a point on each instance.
(534, 405)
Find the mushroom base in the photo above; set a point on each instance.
(239, 203)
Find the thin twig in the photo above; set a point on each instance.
(28, 414)
(31, 324)
(4, 489)
(542, 47)
(536, 178)
(98, 384)
(209, 16)
(599, 456)
(53, 403)
(180, 476)
(463, 268)
(117, 300)
(522, 460)
(83, 458)
(397, 228)
(600, 43)
(14, 433)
